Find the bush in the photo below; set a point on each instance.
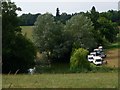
(102, 68)
(78, 61)
(20, 57)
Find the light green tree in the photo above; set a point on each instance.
(78, 60)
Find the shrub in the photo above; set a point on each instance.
(78, 61)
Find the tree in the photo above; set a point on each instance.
(94, 15)
(79, 28)
(78, 61)
(57, 12)
(28, 19)
(57, 17)
(18, 53)
(64, 17)
(48, 36)
(108, 29)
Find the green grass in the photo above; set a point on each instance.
(114, 45)
(78, 80)
(27, 30)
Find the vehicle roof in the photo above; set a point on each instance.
(90, 55)
(93, 53)
(97, 57)
(96, 49)
(100, 47)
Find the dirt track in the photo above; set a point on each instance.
(112, 57)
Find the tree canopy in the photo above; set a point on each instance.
(48, 35)
(79, 28)
(18, 53)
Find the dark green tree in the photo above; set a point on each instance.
(28, 19)
(108, 29)
(18, 53)
(57, 12)
(94, 15)
(64, 17)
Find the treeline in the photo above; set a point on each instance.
(29, 19)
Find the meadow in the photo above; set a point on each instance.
(77, 80)
(59, 79)
(27, 30)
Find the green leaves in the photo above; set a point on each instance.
(18, 52)
(78, 61)
(108, 29)
(80, 29)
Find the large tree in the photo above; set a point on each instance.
(18, 53)
(79, 28)
(48, 36)
(94, 15)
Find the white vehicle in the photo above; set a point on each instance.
(96, 50)
(97, 60)
(93, 53)
(100, 48)
(90, 58)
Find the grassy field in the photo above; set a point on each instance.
(28, 31)
(80, 80)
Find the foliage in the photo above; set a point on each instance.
(79, 30)
(118, 36)
(57, 12)
(18, 53)
(94, 15)
(64, 17)
(78, 61)
(102, 69)
(112, 15)
(48, 36)
(107, 29)
(28, 19)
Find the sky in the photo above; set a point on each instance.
(71, 6)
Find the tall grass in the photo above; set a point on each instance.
(79, 80)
